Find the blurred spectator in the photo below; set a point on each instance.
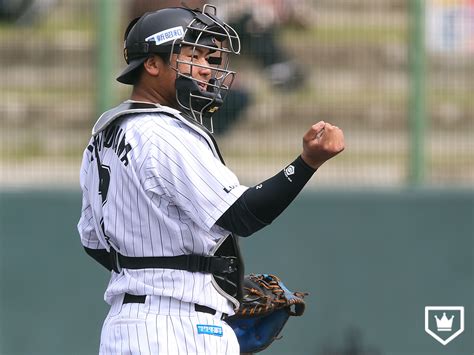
(11, 10)
(23, 12)
(257, 26)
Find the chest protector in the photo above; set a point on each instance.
(224, 262)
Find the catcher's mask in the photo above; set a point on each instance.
(165, 32)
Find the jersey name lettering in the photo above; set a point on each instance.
(113, 137)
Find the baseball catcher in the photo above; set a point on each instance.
(162, 211)
(264, 310)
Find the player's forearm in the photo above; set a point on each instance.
(261, 204)
(270, 198)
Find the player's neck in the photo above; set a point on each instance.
(140, 94)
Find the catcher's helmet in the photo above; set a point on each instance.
(165, 32)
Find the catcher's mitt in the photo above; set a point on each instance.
(266, 306)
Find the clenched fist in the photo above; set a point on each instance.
(321, 143)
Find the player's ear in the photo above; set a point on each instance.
(153, 65)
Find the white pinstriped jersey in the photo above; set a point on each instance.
(167, 188)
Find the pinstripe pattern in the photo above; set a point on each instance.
(163, 202)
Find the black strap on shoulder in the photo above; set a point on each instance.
(140, 105)
(193, 263)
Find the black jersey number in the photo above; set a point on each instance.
(103, 170)
(104, 181)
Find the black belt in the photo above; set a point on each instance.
(128, 298)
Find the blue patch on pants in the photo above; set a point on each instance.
(210, 329)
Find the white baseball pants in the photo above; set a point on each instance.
(163, 325)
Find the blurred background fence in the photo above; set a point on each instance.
(395, 75)
(407, 113)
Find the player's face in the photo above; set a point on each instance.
(191, 62)
(194, 62)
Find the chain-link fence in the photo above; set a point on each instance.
(346, 62)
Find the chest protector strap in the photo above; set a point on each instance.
(194, 263)
(225, 264)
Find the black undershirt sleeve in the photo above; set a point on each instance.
(261, 204)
